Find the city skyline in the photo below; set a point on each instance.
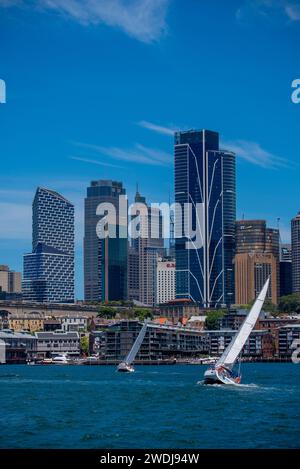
(80, 125)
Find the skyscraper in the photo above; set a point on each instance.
(285, 269)
(148, 246)
(295, 225)
(105, 260)
(205, 175)
(256, 258)
(49, 269)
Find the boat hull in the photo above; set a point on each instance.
(125, 368)
(215, 376)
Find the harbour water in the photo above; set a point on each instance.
(155, 407)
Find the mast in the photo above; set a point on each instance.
(235, 347)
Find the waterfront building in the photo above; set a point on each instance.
(160, 342)
(295, 225)
(10, 281)
(165, 280)
(205, 177)
(16, 347)
(256, 258)
(57, 342)
(287, 335)
(49, 269)
(105, 260)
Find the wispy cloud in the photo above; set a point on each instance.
(92, 161)
(138, 154)
(269, 10)
(255, 154)
(144, 20)
(157, 128)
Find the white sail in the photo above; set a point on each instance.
(233, 350)
(136, 346)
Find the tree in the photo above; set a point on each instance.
(107, 312)
(290, 304)
(143, 313)
(84, 344)
(213, 319)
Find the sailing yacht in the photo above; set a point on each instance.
(126, 365)
(223, 371)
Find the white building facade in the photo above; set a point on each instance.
(165, 281)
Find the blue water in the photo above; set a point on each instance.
(157, 406)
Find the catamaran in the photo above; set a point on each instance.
(126, 365)
(223, 371)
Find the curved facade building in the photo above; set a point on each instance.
(205, 187)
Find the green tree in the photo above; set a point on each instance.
(213, 319)
(107, 312)
(143, 313)
(290, 304)
(84, 344)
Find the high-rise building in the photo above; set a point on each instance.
(105, 260)
(285, 270)
(165, 281)
(295, 225)
(251, 272)
(49, 270)
(256, 258)
(149, 245)
(10, 281)
(205, 178)
(133, 274)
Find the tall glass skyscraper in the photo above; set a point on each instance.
(205, 178)
(49, 269)
(295, 227)
(105, 260)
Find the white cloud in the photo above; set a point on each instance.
(92, 161)
(144, 20)
(138, 154)
(254, 153)
(293, 12)
(269, 9)
(157, 128)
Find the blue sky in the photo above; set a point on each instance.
(95, 88)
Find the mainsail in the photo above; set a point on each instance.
(233, 350)
(136, 346)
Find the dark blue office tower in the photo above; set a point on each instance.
(205, 179)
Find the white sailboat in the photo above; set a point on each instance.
(126, 365)
(222, 371)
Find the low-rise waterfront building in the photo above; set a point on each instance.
(51, 343)
(288, 340)
(16, 347)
